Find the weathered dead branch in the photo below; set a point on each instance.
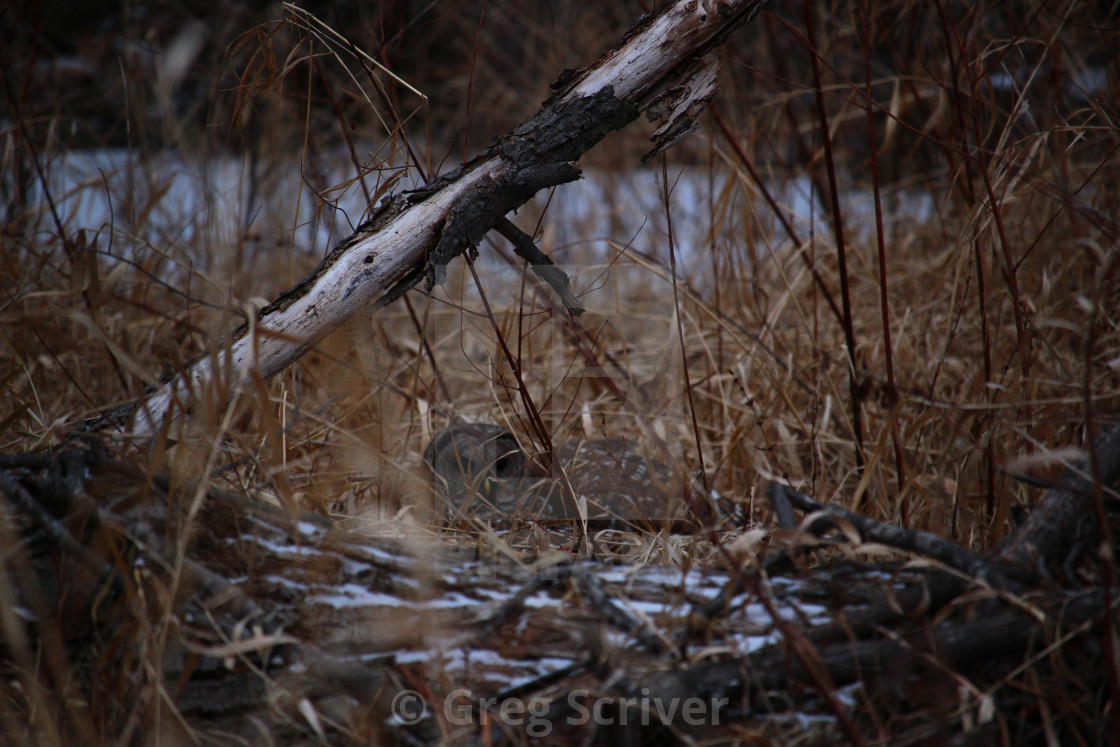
(137, 609)
(924, 543)
(268, 623)
(657, 69)
(1043, 540)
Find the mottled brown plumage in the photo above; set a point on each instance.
(480, 470)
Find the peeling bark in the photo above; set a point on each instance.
(655, 68)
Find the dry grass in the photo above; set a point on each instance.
(994, 266)
(993, 166)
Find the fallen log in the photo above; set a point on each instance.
(165, 613)
(1043, 540)
(658, 69)
(135, 610)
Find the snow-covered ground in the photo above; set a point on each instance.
(193, 208)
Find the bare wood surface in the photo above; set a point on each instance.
(245, 623)
(657, 68)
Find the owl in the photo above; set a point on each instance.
(479, 470)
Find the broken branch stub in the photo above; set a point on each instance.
(654, 68)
